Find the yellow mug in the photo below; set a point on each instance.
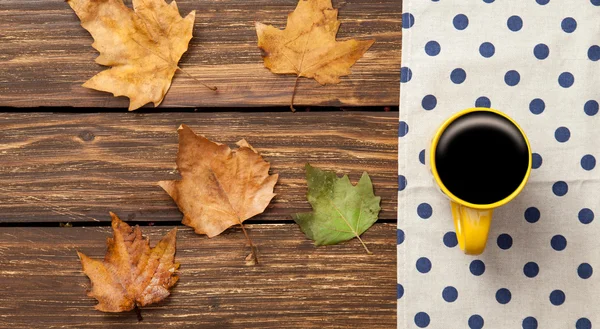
(481, 159)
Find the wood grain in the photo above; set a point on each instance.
(77, 167)
(295, 286)
(46, 56)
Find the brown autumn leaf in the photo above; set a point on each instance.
(132, 274)
(143, 47)
(220, 187)
(307, 47)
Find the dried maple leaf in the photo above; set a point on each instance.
(341, 211)
(132, 274)
(220, 187)
(307, 47)
(142, 47)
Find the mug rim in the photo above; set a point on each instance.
(438, 180)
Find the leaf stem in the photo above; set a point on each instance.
(350, 226)
(200, 82)
(364, 245)
(294, 94)
(252, 246)
(138, 312)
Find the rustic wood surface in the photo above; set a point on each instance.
(45, 56)
(295, 286)
(77, 167)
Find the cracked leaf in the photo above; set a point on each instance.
(132, 274)
(142, 46)
(341, 211)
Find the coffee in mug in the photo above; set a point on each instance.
(481, 159)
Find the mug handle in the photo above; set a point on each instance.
(472, 227)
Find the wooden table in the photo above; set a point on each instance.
(71, 155)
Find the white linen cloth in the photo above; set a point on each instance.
(537, 61)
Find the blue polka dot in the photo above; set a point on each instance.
(424, 210)
(562, 134)
(460, 22)
(458, 76)
(585, 271)
(560, 188)
(537, 106)
(503, 296)
(558, 242)
(483, 102)
(488, 1)
(512, 78)
(399, 236)
(504, 241)
(423, 265)
(529, 323)
(401, 183)
(541, 51)
(588, 162)
(422, 157)
(422, 319)
(532, 214)
(568, 24)
(408, 20)
(584, 323)
(432, 48)
(531, 269)
(487, 49)
(586, 216)
(557, 297)
(402, 129)
(475, 321)
(536, 160)
(594, 53)
(450, 294)
(591, 107)
(566, 79)
(595, 3)
(514, 23)
(429, 102)
(477, 267)
(542, 2)
(450, 240)
(399, 291)
(405, 74)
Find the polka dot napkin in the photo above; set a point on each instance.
(538, 61)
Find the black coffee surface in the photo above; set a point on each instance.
(482, 157)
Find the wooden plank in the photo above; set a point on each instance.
(78, 167)
(295, 286)
(46, 56)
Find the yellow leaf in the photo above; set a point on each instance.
(142, 47)
(307, 47)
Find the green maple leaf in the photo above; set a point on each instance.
(341, 211)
